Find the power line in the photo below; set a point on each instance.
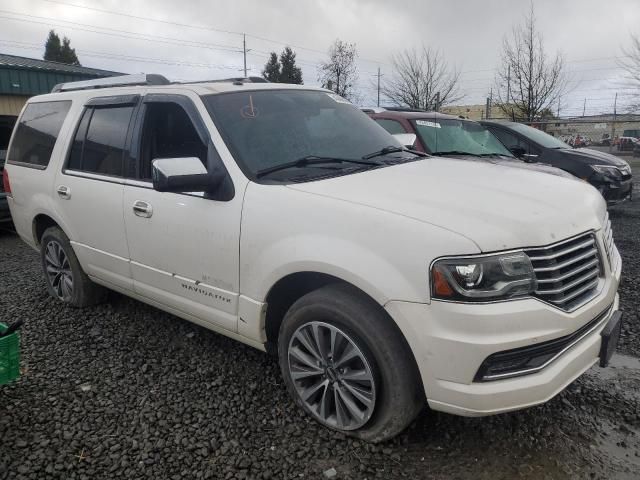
(119, 33)
(200, 27)
(127, 58)
(166, 22)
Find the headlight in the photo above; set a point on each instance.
(477, 279)
(608, 170)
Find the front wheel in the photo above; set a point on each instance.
(66, 281)
(347, 365)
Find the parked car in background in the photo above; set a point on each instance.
(605, 140)
(6, 127)
(450, 136)
(609, 174)
(627, 144)
(5, 214)
(283, 217)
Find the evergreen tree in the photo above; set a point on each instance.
(57, 51)
(52, 47)
(283, 70)
(289, 72)
(271, 70)
(68, 54)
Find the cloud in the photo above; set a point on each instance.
(590, 34)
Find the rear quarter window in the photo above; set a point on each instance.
(37, 132)
(98, 146)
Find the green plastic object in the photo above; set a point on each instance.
(9, 356)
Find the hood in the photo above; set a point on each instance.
(594, 157)
(517, 163)
(494, 206)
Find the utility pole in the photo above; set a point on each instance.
(508, 83)
(558, 115)
(487, 113)
(379, 75)
(584, 107)
(244, 53)
(613, 124)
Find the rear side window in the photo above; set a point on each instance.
(391, 126)
(37, 132)
(99, 143)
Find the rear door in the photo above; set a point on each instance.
(184, 247)
(89, 189)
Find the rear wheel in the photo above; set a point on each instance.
(65, 278)
(347, 365)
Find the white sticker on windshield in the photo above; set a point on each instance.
(427, 123)
(338, 98)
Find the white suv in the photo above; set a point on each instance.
(285, 218)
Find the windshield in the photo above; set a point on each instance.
(538, 136)
(449, 135)
(267, 128)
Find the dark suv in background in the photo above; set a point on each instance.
(450, 136)
(609, 174)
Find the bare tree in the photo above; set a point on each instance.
(422, 79)
(630, 62)
(340, 72)
(528, 81)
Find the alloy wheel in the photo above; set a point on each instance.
(58, 270)
(331, 375)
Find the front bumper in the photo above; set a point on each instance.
(618, 192)
(450, 342)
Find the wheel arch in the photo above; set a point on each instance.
(40, 223)
(288, 289)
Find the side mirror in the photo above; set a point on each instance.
(406, 139)
(517, 151)
(529, 157)
(181, 175)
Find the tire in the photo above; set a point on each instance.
(66, 281)
(388, 390)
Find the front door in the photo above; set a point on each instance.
(184, 247)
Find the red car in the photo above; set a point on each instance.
(440, 134)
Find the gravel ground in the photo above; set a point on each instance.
(625, 219)
(126, 391)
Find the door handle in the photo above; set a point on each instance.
(64, 192)
(142, 209)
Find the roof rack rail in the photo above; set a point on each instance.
(233, 79)
(119, 81)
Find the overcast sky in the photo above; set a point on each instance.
(589, 33)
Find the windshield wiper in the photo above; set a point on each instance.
(393, 149)
(314, 160)
(495, 154)
(455, 152)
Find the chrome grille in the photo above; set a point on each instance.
(607, 239)
(567, 272)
